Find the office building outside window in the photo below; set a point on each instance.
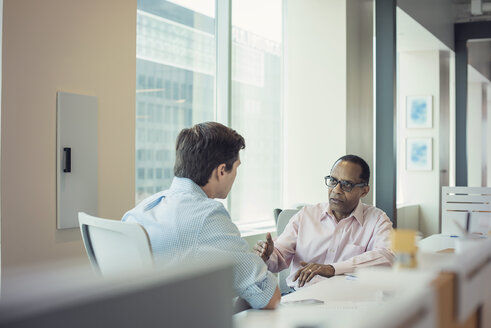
(175, 85)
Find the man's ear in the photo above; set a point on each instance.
(366, 189)
(214, 174)
(221, 169)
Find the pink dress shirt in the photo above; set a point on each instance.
(313, 235)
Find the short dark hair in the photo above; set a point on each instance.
(202, 148)
(365, 169)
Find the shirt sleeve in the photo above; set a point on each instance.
(219, 237)
(378, 251)
(285, 245)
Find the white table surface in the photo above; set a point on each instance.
(346, 303)
(437, 242)
(340, 296)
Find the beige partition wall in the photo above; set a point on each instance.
(86, 47)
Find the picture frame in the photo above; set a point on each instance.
(419, 112)
(419, 154)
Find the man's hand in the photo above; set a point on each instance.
(265, 248)
(310, 270)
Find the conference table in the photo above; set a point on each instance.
(348, 301)
(450, 288)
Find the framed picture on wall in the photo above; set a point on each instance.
(419, 154)
(419, 111)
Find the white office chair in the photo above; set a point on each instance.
(283, 219)
(115, 247)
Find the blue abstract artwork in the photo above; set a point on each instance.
(419, 112)
(418, 154)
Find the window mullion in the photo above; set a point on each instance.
(224, 60)
(224, 66)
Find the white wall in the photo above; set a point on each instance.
(478, 87)
(474, 131)
(488, 137)
(315, 96)
(85, 47)
(452, 123)
(359, 74)
(1, 33)
(328, 92)
(419, 187)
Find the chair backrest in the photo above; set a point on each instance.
(115, 247)
(458, 203)
(283, 220)
(276, 213)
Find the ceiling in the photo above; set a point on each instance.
(412, 36)
(462, 9)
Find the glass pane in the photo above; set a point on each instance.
(175, 82)
(257, 107)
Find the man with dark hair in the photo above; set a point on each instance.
(335, 237)
(186, 223)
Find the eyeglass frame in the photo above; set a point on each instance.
(343, 183)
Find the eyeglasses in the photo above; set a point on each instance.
(345, 185)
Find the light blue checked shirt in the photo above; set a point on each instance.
(184, 224)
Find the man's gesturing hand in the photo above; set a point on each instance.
(310, 270)
(265, 248)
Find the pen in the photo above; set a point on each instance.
(350, 277)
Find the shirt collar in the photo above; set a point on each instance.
(180, 184)
(357, 213)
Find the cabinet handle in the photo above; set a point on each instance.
(68, 159)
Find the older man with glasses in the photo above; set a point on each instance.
(332, 238)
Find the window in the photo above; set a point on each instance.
(175, 115)
(158, 114)
(175, 47)
(176, 88)
(140, 154)
(160, 88)
(150, 116)
(167, 89)
(149, 153)
(140, 112)
(256, 107)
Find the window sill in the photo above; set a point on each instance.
(256, 228)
